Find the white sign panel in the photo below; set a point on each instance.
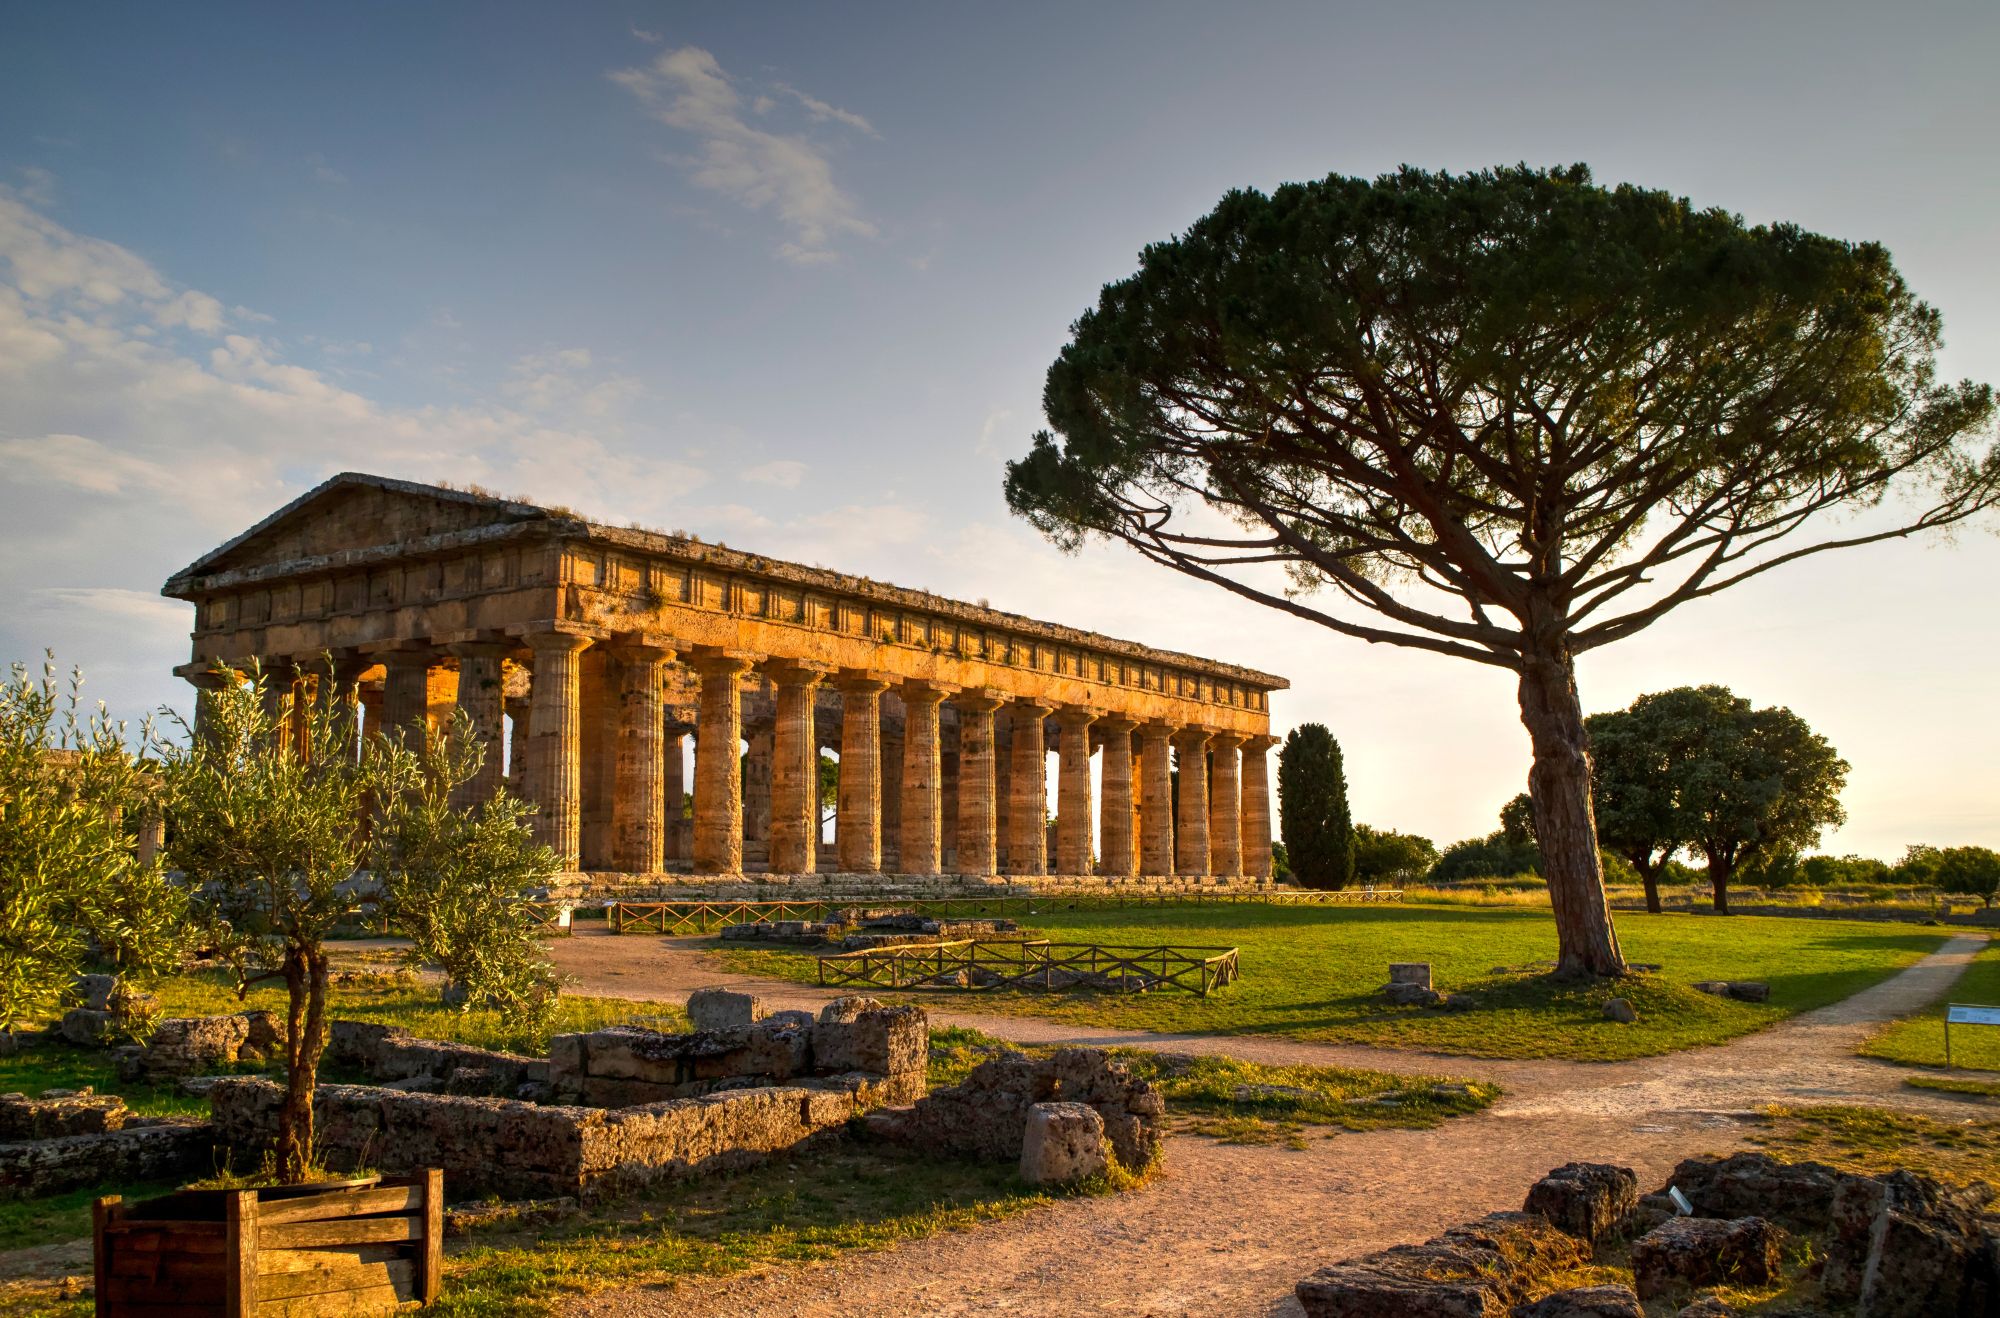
(1962, 1015)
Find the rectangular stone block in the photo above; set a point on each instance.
(720, 1008)
(1410, 972)
(886, 1041)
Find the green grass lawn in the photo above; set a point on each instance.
(1311, 973)
(1918, 1039)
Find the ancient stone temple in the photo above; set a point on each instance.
(585, 655)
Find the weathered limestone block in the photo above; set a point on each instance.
(185, 1045)
(1620, 1010)
(1478, 1270)
(1063, 1144)
(265, 1041)
(1705, 1251)
(860, 1034)
(1590, 1200)
(1904, 1245)
(1796, 1195)
(721, 1008)
(1412, 995)
(95, 991)
(1410, 972)
(354, 1045)
(56, 1115)
(986, 1115)
(165, 1148)
(1612, 1301)
(648, 1066)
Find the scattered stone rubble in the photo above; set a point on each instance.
(190, 1045)
(111, 1010)
(398, 1059)
(67, 1139)
(1410, 986)
(1064, 1143)
(1899, 1245)
(1743, 990)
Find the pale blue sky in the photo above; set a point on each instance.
(788, 276)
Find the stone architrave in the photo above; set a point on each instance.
(555, 742)
(718, 777)
(1191, 826)
(638, 805)
(1073, 804)
(1225, 827)
(922, 792)
(1120, 859)
(1256, 789)
(858, 831)
(975, 778)
(795, 767)
(1028, 787)
(1156, 821)
(481, 697)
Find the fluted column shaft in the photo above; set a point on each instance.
(1118, 859)
(1191, 825)
(1073, 804)
(405, 692)
(975, 780)
(554, 770)
(638, 800)
(480, 697)
(921, 841)
(1257, 807)
(1156, 824)
(858, 832)
(1225, 826)
(795, 770)
(718, 776)
(1028, 787)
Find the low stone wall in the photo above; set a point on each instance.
(877, 1054)
(516, 1150)
(395, 1056)
(986, 1115)
(159, 1149)
(58, 1114)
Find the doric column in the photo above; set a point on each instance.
(1191, 825)
(1028, 802)
(517, 743)
(922, 790)
(673, 752)
(371, 711)
(795, 767)
(975, 778)
(1156, 795)
(405, 691)
(554, 742)
(1257, 806)
(638, 800)
(858, 832)
(440, 698)
(718, 778)
(1225, 827)
(1120, 859)
(480, 697)
(1073, 806)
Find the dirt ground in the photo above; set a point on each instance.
(1228, 1229)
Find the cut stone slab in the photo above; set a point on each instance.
(1795, 1195)
(1479, 1270)
(1613, 1301)
(1905, 1245)
(1410, 972)
(1705, 1251)
(1064, 1143)
(1590, 1200)
(721, 1008)
(1411, 995)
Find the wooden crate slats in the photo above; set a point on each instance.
(271, 1261)
(343, 1203)
(352, 1231)
(370, 1300)
(239, 1284)
(430, 1274)
(399, 1272)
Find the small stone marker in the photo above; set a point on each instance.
(721, 1008)
(1410, 972)
(1620, 1010)
(1064, 1143)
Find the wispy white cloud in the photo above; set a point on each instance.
(787, 174)
(781, 472)
(325, 172)
(650, 38)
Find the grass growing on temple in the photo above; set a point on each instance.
(1918, 1039)
(1312, 973)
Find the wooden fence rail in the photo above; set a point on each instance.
(974, 963)
(700, 916)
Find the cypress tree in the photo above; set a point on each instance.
(1312, 804)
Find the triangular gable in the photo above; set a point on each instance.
(355, 511)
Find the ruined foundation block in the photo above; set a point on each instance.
(1410, 972)
(1590, 1200)
(1483, 1268)
(1064, 1143)
(720, 1008)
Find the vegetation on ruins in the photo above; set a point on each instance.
(452, 880)
(1512, 415)
(73, 890)
(1318, 828)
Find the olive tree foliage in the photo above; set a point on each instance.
(1317, 826)
(1508, 417)
(455, 880)
(73, 891)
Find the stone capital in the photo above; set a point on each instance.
(1077, 717)
(1111, 725)
(1030, 706)
(558, 642)
(646, 645)
(208, 676)
(797, 672)
(1259, 741)
(1158, 730)
(978, 699)
(923, 691)
(861, 681)
(715, 661)
(1226, 741)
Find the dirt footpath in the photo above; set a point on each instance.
(1227, 1229)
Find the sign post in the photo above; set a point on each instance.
(1965, 1013)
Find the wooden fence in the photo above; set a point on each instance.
(975, 963)
(700, 916)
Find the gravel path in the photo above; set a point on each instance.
(1227, 1229)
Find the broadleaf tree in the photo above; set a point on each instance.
(1508, 417)
(1633, 789)
(1317, 826)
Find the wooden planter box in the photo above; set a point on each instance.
(373, 1247)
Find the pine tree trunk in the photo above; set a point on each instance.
(1559, 785)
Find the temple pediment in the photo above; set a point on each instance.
(351, 514)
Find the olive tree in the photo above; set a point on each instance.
(1508, 417)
